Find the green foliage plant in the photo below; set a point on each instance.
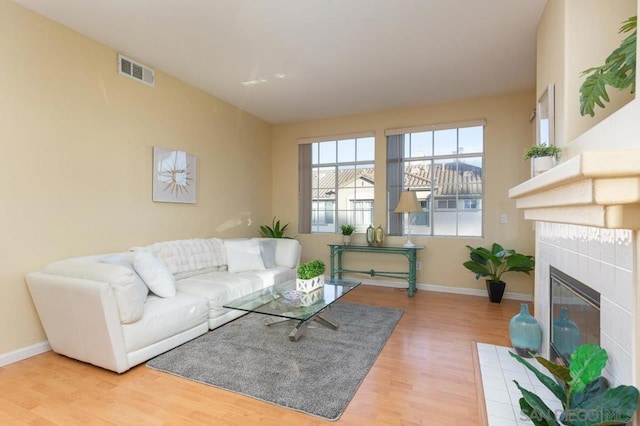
(541, 150)
(347, 229)
(273, 231)
(618, 71)
(311, 269)
(497, 261)
(586, 397)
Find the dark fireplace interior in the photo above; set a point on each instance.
(575, 315)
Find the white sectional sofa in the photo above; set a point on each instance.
(119, 310)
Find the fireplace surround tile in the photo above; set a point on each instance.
(603, 259)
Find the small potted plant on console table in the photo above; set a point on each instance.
(346, 231)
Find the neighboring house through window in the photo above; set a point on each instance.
(336, 183)
(444, 165)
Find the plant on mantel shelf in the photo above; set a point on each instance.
(543, 157)
(494, 263)
(618, 71)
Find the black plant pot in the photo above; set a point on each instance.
(495, 289)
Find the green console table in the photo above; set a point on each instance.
(408, 252)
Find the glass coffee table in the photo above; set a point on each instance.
(282, 302)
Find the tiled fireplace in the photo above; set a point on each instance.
(601, 259)
(586, 212)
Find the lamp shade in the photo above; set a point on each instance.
(408, 203)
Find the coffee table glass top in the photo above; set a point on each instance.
(283, 300)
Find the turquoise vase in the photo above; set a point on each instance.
(566, 334)
(525, 333)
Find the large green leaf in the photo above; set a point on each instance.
(531, 414)
(536, 410)
(560, 371)
(618, 71)
(550, 383)
(585, 365)
(616, 406)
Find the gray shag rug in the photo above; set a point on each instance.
(317, 375)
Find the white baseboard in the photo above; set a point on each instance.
(24, 353)
(449, 289)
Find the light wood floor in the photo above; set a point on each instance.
(424, 375)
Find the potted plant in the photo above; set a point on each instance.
(494, 263)
(310, 276)
(273, 231)
(346, 231)
(618, 71)
(585, 395)
(542, 156)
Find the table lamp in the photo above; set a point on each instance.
(408, 204)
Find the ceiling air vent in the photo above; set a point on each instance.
(136, 70)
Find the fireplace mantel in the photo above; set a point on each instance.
(596, 188)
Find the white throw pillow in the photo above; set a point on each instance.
(154, 274)
(243, 255)
(130, 296)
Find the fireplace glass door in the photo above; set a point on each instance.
(575, 315)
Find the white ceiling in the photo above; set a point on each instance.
(320, 58)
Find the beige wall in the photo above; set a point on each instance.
(574, 35)
(508, 133)
(76, 141)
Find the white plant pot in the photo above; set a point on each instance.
(309, 285)
(346, 239)
(542, 164)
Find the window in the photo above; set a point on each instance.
(336, 183)
(444, 165)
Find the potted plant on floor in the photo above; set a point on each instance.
(310, 276)
(494, 263)
(585, 395)
(346, 231)
(542, 156)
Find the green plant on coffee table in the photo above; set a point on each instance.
(586, 397)
(311, 269)
(347, 229)
(273, 231)
(541, 150)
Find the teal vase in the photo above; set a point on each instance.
(525, 333)
(566, 334)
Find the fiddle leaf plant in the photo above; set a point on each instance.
(496, 262)
(618, 71)
(586, 398)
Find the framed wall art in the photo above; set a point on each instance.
(174, 176)
(545, 118)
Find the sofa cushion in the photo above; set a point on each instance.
(164, 318)
(186, 256)
(154, 274)
(220, 287)
(243, 255)
(287, 252)
(130, 298)
(276, 275)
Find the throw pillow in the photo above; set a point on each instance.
(243, 255)
(154, 274)
(268, 253)
(130, 293)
